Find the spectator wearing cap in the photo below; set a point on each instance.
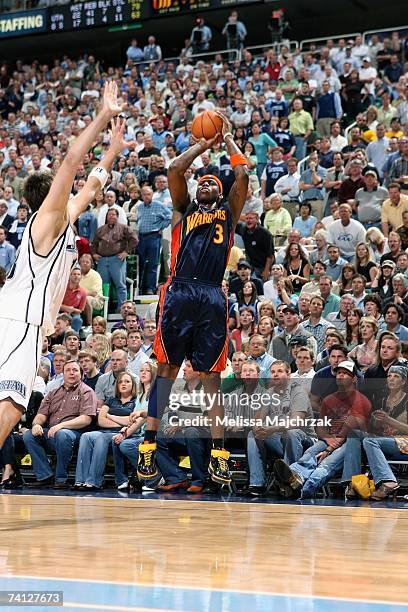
(392, 209)
(289, 442)
(328, 108)
(350, 185)
(6, 220)
(369, 201)
(201, 36)
(368, 74)
(111, 245)
(331, 300)
(244, 274)
(382, 283)
(393, 317)
(311, 185)
(316, 325)
(346, 233)
(347, 409)
(277, 220)
(75, 299)
(292, 327)
(16, 231)
(259, 247)
(257, 351)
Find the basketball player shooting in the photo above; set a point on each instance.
(32, 295)
(193, 307)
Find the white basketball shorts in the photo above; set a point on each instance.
(20, 352)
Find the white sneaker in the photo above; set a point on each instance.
(153, 487)
(123, 486)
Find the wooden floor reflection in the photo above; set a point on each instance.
(347, 552)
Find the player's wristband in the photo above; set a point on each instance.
(228, 134)
(238, 159)
(100, 174)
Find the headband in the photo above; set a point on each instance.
(214, 178)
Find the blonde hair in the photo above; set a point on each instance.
(102, 348)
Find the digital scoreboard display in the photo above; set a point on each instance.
(96, 13)
(160, 8)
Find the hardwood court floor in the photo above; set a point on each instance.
(342, 552)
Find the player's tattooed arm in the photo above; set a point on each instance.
(177, 169)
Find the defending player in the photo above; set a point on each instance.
(193, 308)
(33, 293)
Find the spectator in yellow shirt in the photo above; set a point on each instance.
(277, 220)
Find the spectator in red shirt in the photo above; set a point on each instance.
(343, 411)
(74, 301)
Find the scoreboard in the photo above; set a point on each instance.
(175, 7)
(96, 13)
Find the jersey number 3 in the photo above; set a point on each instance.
(219, 234)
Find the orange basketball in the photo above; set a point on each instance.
(206, 125)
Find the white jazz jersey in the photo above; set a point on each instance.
(36, 284)
(29, 304)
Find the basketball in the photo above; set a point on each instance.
(206, 125)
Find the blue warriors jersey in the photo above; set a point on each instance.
(201, 243)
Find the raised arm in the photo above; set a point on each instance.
(53, 213)
(175, 174)
(239, 164)
(81, 201)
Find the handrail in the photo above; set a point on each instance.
(205, 53)
(367, 33)
(271, 45)
(348, 129)
(325, 38)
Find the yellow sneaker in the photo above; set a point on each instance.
(146, 464)
(218, 467)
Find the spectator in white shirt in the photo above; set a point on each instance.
(110, 198)
(201, 103)
(337, 141)
(136, 356)
(346, 233)
(288, 187)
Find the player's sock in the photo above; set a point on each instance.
(159, 396)
(218, 443)
(150, 436)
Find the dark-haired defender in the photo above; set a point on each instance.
(193, 307)
(32, 295)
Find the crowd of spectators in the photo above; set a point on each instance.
(317, 278)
